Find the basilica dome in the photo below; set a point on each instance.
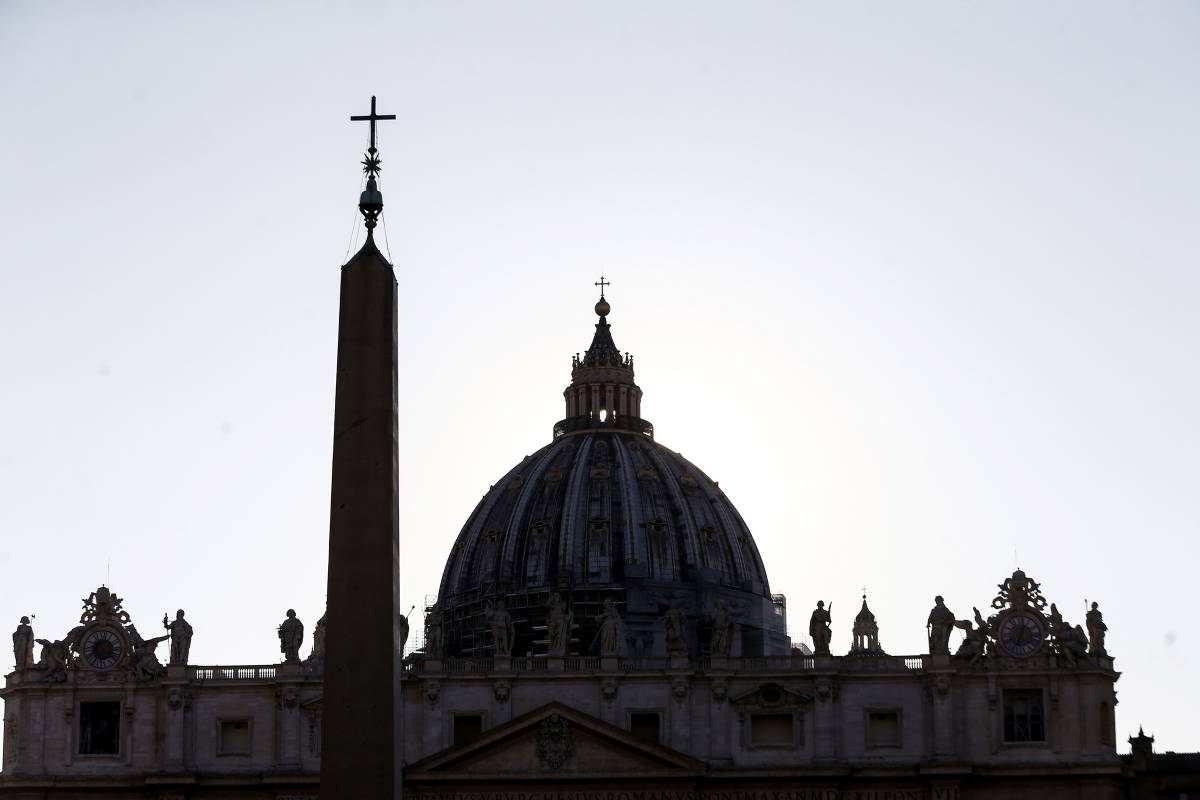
(604, 512)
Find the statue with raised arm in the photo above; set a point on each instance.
(181, 638)
(291, 638)
(975, 645)
(675, 624)
(1096, 629)
(433, 631)
(820, 628)
(501, 624)
(1069, 641)
(610, 634)
(143, 662)
(56, 656)
(23, 644)
(722, 631)
(558, 625)
(939, 626)
(404, 630)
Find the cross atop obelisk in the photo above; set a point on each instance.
(371, 201)
(372, 118)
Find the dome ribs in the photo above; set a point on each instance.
(685, 527)
(606, 513)
(593, 549)
(625, 546)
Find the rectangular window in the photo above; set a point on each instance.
(100, 728)
(771, 730)
(644, 725)
(467, 728)
(1024, 720)
(883, 729)
(233, 737)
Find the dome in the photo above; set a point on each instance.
(605, 513)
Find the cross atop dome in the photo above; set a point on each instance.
(602, 307)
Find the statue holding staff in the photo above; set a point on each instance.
(820, 628)
(181, 638)
(291, 638)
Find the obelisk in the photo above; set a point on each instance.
(360, 719)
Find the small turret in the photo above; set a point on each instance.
(866, 633)
(602, 393)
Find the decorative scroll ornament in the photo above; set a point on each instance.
(555, 742)
(1020, 591)
(103, 606)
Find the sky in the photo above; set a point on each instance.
(917, 284)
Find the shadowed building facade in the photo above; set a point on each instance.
(604, 630)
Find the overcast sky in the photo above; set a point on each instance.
(917, 283)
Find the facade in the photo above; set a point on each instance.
(604, 629)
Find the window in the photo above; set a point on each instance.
(771, 730)
(100, 728)
(233, 737)
(1024, 720)
(467, 728)
(883, 729)
(644, 725)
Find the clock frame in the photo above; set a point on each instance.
(1021, 634)
(103, 647)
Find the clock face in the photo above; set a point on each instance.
(103, 648)
(1021, 635)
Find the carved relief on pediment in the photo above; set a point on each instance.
(771, 696)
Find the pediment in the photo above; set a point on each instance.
(771, 695)
(552, 741)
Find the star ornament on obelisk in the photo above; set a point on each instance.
(360, 716)
(371, 201)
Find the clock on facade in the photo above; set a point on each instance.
(1022, 635)
(102, 648)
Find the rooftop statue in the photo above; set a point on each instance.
(23, 645)
(819, 628)
(1096, 629)
(181, 638)
(56, 657)
(143, 662)
(939, 626)
(610, 634)
(676, 629)
(722, 631)
(975, 645)
(1070, 641)
(433, 631)
(404, 629)
(291, 638)
(558, 625)
(501, 625)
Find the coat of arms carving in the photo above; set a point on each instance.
(555, 742)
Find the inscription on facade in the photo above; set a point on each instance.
(951, 793)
